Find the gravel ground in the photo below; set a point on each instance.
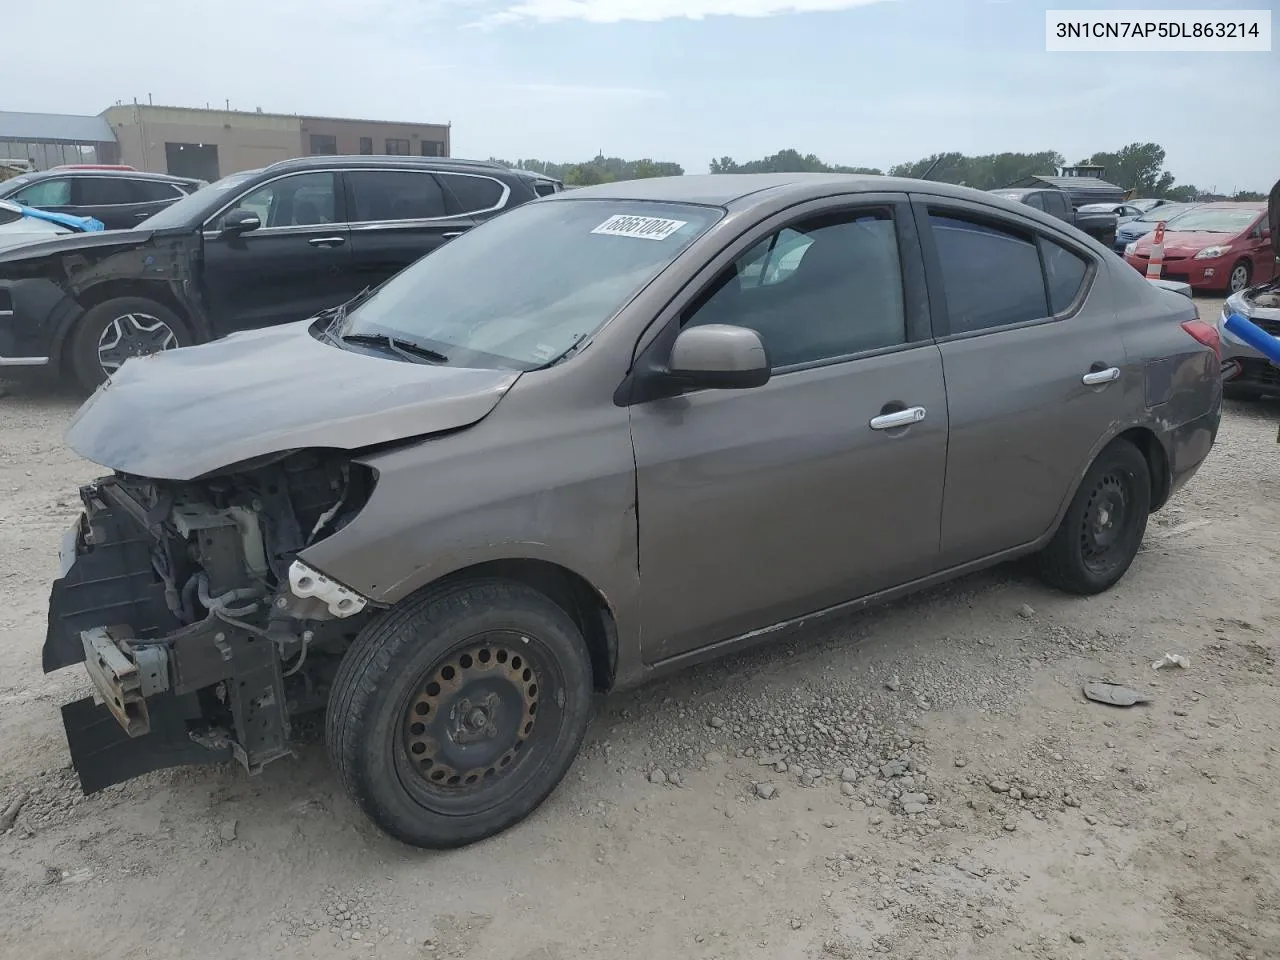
(922, 780)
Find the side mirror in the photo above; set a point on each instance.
(719, 355)
(240, 221)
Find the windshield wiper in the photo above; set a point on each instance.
(404, 348)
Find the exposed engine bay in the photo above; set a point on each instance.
(201, 630)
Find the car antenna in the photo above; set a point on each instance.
(937, 160)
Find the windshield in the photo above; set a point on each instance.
(1215, 221)
(526, 288)
(1162, 214)
(196, 206)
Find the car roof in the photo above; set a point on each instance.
(380, 160)
(745, 190)
(95, 173)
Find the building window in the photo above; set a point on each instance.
(397, 148)
(433, 148)
(323, 144)
(366, 146)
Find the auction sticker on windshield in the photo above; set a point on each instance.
(643, 228)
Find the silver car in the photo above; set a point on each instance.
(608, 434)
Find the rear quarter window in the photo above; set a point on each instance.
(472, 194)
(1064, 274)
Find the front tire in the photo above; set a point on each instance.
(1100, 534)
(1239, 277)
(120, 328)
(455, 714)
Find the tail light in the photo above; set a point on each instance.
(1206, 334)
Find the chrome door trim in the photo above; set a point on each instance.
(209, 233)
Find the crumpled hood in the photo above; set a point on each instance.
(184, 413)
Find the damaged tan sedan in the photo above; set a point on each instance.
(604, 435)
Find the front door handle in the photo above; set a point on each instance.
(452, 234)
(141, 216)
(1095, 377)
(899, 418)
(327, 241)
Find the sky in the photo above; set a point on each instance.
(858, 82)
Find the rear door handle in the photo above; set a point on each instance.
(452, 234)
(899, 418)
(327, 241)
(1095, 377)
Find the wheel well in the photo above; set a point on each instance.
(110, 290)
(1157, 461)
(573, 594)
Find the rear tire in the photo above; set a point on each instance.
(120, 328)
(455, 714)
(1100, 534)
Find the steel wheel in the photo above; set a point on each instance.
(471, 718)
(133, 335)
(1239, 277)
(456, 713)
(1105, 522)
(1100, 533)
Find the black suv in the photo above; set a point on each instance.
(253, 249)
(119, 198)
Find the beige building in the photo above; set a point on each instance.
(209, 144)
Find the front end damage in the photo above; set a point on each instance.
(202, 632)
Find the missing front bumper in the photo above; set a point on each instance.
(170, 694)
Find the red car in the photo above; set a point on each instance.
(1216, 246)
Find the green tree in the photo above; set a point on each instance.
(1138, 167)
(600, 169)
(988, 172)
(786, 161)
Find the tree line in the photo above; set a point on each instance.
(1137, 166)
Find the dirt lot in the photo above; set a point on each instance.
(923, 780)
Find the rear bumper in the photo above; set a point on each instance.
(1188, 445)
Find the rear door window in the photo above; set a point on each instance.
(154, 191)
(103, 191)
(991, 275)
(388, 195)
(473, 194)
